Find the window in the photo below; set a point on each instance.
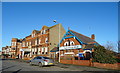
(13, 43)
(46, 40)
(39, 41)
(27, 43)
(39, 58)
(35, 52)
(42, 50)
(72, 43)
(46, 58)
(69, 43)
(38, 50)
(66, 43)
(46, 50)
(33, 35)
(23, 44)
(36, 42)
(44, 31)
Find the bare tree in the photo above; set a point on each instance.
(109, 46)
(112, 46)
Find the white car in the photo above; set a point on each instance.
(41, 61)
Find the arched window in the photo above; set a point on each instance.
(72, 43)
(66, 44)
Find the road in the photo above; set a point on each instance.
(13, 65)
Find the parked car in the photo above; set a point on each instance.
(41, 61)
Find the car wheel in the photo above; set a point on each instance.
(40, 65)
(30, 63)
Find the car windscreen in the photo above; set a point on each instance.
(46, 58)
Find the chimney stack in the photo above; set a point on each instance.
(93, 36)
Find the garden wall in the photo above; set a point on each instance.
(76, 62)
(89, 63)
(108, 66)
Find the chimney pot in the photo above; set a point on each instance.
(93, 36)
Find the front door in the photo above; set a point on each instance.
(88, 56)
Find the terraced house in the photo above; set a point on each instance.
(39, 42)
(15, 46)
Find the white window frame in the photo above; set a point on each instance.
(66, 43)
(23, 44)
(27, 43)
(39, 41)
(46, 49)
(46, 40)
(42, 49)
(36, 42)
(44, 31)
(30, 43)
(71, 43)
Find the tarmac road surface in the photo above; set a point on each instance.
(13, 65)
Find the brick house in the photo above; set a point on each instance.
(75, 46)
(15, 47)
(7, 51)
(40, 42)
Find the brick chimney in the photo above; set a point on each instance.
(93, 36)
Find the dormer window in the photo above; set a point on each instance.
(33, 35)
(13, 43)
(43, 31)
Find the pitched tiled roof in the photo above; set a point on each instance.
(55, 49)
(83, 38)
(89, 46)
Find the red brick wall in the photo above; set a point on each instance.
(76, 62)
(108, 66)
(66, 61)
(82, 62)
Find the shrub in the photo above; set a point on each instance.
(102, 55)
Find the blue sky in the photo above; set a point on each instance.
(99, 18)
